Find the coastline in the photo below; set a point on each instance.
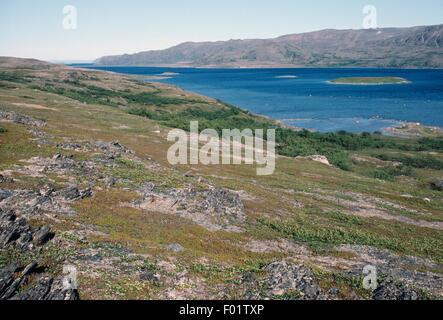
(259, 66)
(386, 128)
(413, 130)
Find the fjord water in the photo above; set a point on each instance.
(304, 98)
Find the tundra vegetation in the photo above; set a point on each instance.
(369, 80)
(84, 181)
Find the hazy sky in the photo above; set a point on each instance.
(35, 28)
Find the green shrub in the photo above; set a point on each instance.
(417, 161)
(390, 173)
(13, 77)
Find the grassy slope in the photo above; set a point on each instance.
(92, 105)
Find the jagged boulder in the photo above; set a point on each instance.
(28, 203)
(221, 201)
(42, 235)
(298, 281)
(391, 290)
(44, 288)
(21, 119)
(12, 283)
(15, 232)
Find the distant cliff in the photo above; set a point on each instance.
(417, 47)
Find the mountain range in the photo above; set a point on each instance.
(415, 47)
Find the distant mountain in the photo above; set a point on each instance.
(417, 47)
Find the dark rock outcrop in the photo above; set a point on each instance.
(285, 278)
(15, 232)
(28, 203)
(391, 290)
(45, 288)
(214, 208)
(21, 119)
(437, 184)
(4, 179)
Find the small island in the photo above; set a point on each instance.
(367, 81)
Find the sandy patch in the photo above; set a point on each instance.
(33, 106)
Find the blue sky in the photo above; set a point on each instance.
(34, 28)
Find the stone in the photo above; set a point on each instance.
(285, 277)
(37, 292)
(7, 277)
(5, 194)
(149, 277)
(437, 184)
(15, 285)
(4, 179)
(42, 288)
(334, 291)
(21, 119)
(42, 236)
(87, 193)
(70, 193)
(390, 290)
(175, 247)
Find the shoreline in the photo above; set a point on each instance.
(390, 130)
(261, 67)
(413, 130)
(264, 67)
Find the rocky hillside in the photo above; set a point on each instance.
(418, 47)
(84, 182)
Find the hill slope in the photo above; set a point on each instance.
(84, 181)
(417, 47)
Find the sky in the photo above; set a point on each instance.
(36, 29)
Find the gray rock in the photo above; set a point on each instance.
(58, 292)
(70, 193)
(390, 290)
(4, 179)
(437, 184)
(149, 277)
(4, 194)
(42, 236)
(214, 208)
(16, 232)
(298, 280)
(44, 288)
(15, 285)
(175, 247)
(21, 119)
(7, 277)
(37, 292)
(334, 291)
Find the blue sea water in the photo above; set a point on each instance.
(304, 98)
